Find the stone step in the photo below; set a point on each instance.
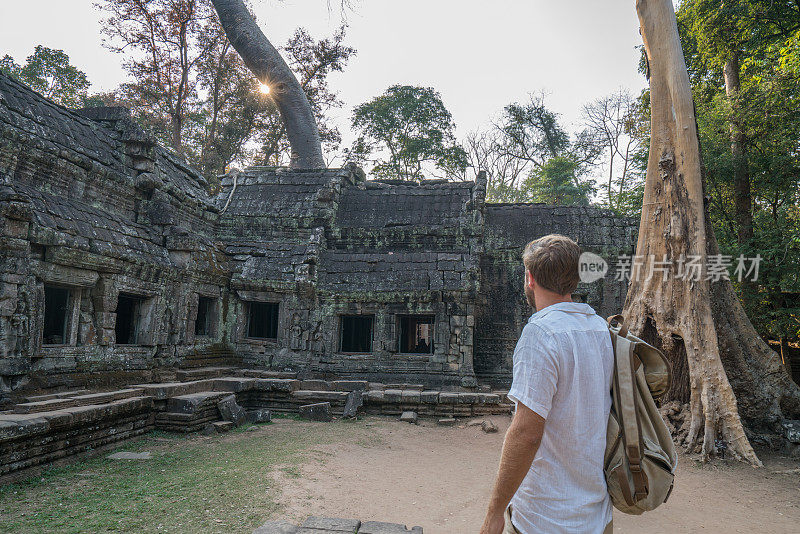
(258, 373)
(49, 405)
(208, 362)
(310, 396)
(165, 390)
(193, 402)
(200, 373)
(78, 400)
(60, 395)
(108, 396)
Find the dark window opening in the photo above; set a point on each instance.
(204, 323)
(262, 321)
(128, 307)
(416, 334)
(356, 333)
(56, 311)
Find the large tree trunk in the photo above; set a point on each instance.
(269, 67)
(742, 199)
(699, 323)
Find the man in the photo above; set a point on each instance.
(551, 479)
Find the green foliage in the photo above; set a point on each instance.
(413, 128)
(534, 132)
(761, 37)
(49, 72)
(556, 166)
(556, 182)
(191, 90)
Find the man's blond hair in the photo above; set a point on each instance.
(553, 262)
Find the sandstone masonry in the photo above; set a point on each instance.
(117, 266)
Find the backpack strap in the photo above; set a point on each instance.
(624, 391)
(620, 320)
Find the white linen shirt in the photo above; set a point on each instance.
(563, 364)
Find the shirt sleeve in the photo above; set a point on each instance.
(535, 371)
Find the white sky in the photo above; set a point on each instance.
(481, 55)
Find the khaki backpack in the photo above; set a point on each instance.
(640, 457)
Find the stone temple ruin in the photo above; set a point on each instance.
(126, 288)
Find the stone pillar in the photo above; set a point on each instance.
(105, 297)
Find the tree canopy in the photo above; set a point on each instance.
(192, 91)
(412, 125)
(49, 72)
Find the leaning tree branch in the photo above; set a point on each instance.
(270, 68)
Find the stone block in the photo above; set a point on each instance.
(320, 396)
(448, 398)
(355, 400)
(409, 417)
(350, 385)
(417, 387)
(487, 398)
(429, 397)
(230, 410)
(277, 527)
(258, 416)
(462, 410)
(320, 411)
(410, 396)
(233, 384)
(469, 382)
(378, 527)
(315, 385)
(393, 395)
(192, 402)
(446, 421)
(43, 406)
(332, 524)
(375, 396)
(283, 384)
(467, 398)
(488, 426)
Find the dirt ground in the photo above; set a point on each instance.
(440, 477)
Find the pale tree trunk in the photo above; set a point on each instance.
(269, 67)
(699, 324)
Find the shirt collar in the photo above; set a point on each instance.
(567, 307)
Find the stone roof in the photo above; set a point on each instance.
(347, 272)
(82, 226)
(382, 205)
(90, 140)
(514, 225)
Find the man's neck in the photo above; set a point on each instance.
(548, 298)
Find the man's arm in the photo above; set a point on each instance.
(519, 448)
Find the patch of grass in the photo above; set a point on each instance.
(291, 471)
(222, 483)
(282, 415)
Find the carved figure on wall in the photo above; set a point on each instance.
(320, 339)
(296, 333)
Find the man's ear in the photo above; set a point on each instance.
(529, 282)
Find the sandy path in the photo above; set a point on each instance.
(439, 478)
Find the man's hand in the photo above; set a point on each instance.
(519, 449)
(493, 524)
